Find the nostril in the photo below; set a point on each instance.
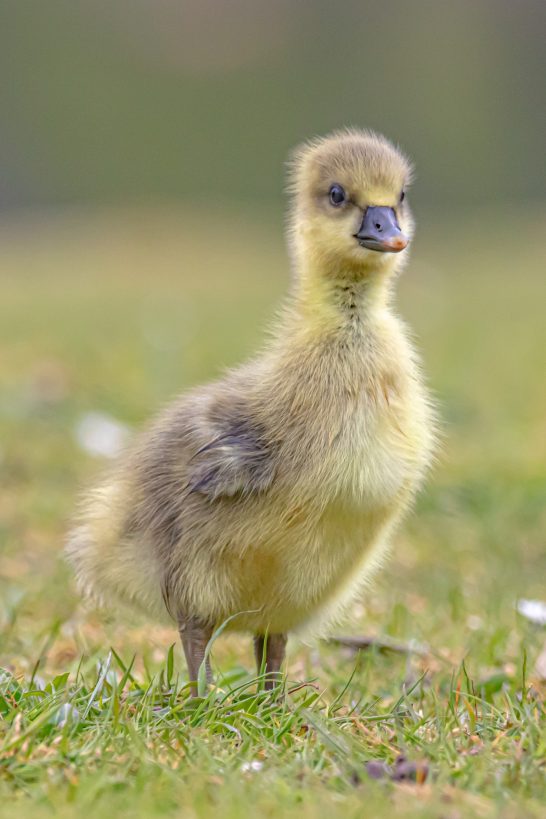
(378, 226)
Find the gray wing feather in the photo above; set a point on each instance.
(236, 461)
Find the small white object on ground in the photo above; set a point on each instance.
(100, 434)
(253, 766)
(533, 610)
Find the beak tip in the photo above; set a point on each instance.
(393, 245)
(400, 243)
(380, 230)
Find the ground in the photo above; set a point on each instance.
(112, 312)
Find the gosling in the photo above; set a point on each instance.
(268, 498)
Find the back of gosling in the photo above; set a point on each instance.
(268, 498)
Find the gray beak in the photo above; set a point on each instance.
(380, 231)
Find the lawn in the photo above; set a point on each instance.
(112, 312)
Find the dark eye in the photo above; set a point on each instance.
(337, 195)
(402, 196)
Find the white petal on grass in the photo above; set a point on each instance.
(533, 610)
(252, 767)
(100, 434)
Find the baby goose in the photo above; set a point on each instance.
(269, 496)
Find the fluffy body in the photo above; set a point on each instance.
(272, 493)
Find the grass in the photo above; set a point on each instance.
(115, 312)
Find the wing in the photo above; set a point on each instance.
(238, 460)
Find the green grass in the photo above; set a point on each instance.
(117, 311)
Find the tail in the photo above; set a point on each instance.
(113, 568)
(91, 544)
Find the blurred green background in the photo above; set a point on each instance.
(141, 248)
(200, 100)
(142, 145)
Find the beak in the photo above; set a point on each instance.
(380, 231)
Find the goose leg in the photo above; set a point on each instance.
(274, 646)
(195, 635)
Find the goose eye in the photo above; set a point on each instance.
(402, 196)
(337, 195)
